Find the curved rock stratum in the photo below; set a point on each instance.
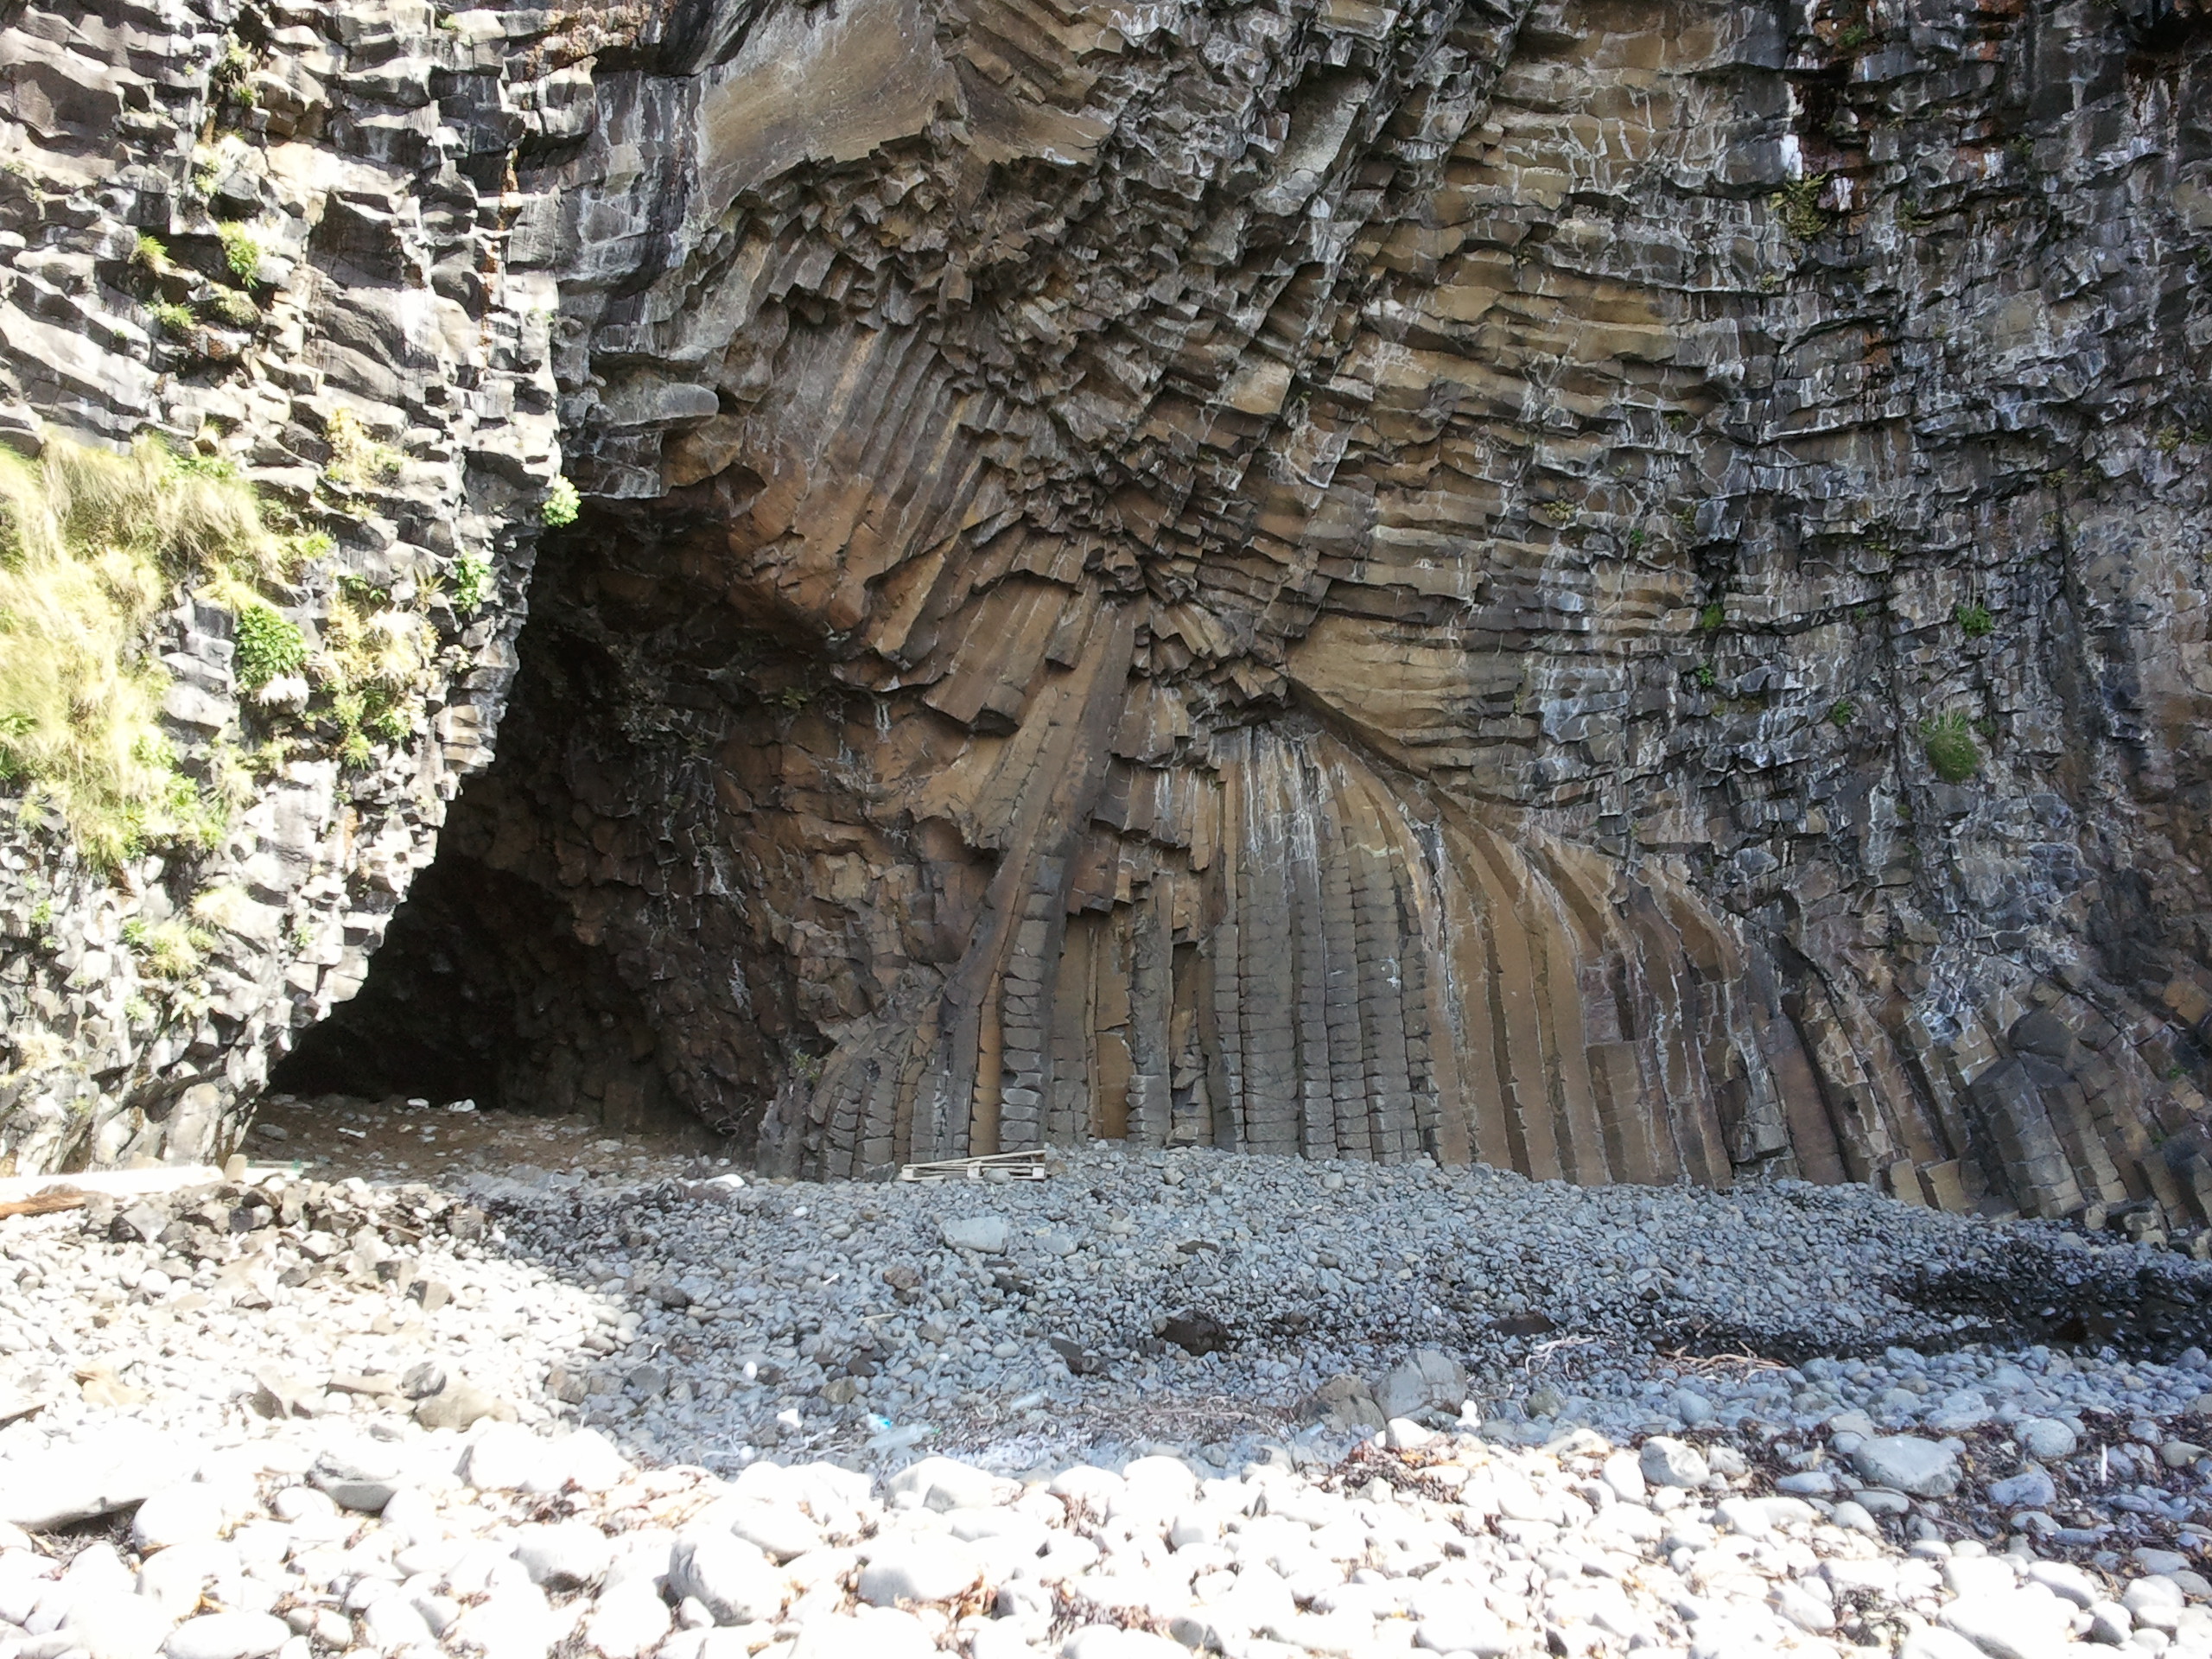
(1616, 591)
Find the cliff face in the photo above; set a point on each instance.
(1613, 590)
(274, 239)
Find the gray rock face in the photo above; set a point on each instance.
(2010, 1625)
(920, 1570)
(947, 1483)
(1429, 1380)
(564, 1555)
(1321, 638)
(93, 1478)
(363, 1477)
(1816, 663)
(227, 1635)
(323, 296)
(2031, 1489)
(2046, 1438)
(1907, 1464)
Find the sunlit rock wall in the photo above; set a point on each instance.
(1363, 579)
(1359, 580)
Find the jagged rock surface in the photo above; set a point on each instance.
(388, 382)
(1355, 579)
(1348, 579)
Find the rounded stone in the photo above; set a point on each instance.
(923, 1569)
(178, 1514)
(227, 1635)
(1907, 1464)
(1665, 1461)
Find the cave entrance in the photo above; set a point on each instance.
(481, 991)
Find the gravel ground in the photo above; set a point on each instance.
(1789, 1418)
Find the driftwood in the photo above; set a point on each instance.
(44, 1204)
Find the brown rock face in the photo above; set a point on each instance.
(1613, 589)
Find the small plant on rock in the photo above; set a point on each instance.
(235, 310)
(92, 548)
(151, 255)
(373, 659)
(240, 252)
(268, 645)
(472, 583)
(1952, 752)
(357, 459)
(1974, 620)
(167, 950)
(1797, 204)
(561, 503)
(1841, 712)
(1712, 616)
(228, 76)
(175, 320)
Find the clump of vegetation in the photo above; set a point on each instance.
(1974, 620)
(1952, 752)
(357, 459)
(92, 547)
(561, 503)
(472, 583)
(240, 252)
(374, 658)
(228, 79)
(1841, 712)
(169, 950)
(1560, 513)
(1797, 204)
(175, 320)
(1703, 677)
(227, 906)
(1712, 616)
(268, 645)
(236, 309)
(150, 255)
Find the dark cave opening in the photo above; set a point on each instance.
(586, 941)
(481, 991)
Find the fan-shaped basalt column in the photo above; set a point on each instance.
(1365, 581)
(1345, 966)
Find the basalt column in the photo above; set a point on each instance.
(1609, 589)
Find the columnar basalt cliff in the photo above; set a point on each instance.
(1617, 590)
(274, 239)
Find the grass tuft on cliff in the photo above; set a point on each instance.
(92, 547)
(1951, 749)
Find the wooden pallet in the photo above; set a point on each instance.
(998, 1167)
